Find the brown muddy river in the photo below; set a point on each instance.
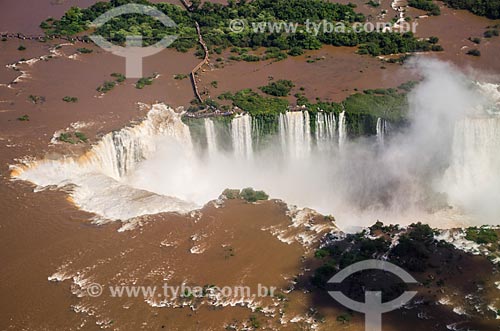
(51, 251)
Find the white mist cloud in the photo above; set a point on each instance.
(441, 169)
(362, 183)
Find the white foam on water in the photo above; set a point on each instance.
(97, 179)
(437, 171)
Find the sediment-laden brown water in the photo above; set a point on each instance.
(44, 236)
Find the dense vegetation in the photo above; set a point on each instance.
(255, 104)
(270, 53)
(474, 52)
(417, 250)
(414, 251)
(385, 103)
(475, 40)
(362, 109)
(488, 8)
(67, 137)
(70, 99)
(214, 22)
(180, 76)
(438, 266)
(77, 20)
(390, 104)
(491, 33)
(84, 50)
(280, 88)
(119, 78)
(427, 5)
(248, 194)
(374, 4)
(142, 82)
(355, 248)
(482, 235)
(109, 85)
(106, 87)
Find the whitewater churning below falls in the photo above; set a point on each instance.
(155, 166)
(98, 178)
(165, 165)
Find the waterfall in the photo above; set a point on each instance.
(241, 133)
(325, 130)
(295, 133)
(211, 137)
(473, 174)
(257, 134)
(99, 178)
(342, 129)
(119, 152)
(381, 129)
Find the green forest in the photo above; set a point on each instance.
(214, 22)
(362, 109)
(427, 5)
(487, 8)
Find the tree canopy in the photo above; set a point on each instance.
(489, 8)
(214, 22)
